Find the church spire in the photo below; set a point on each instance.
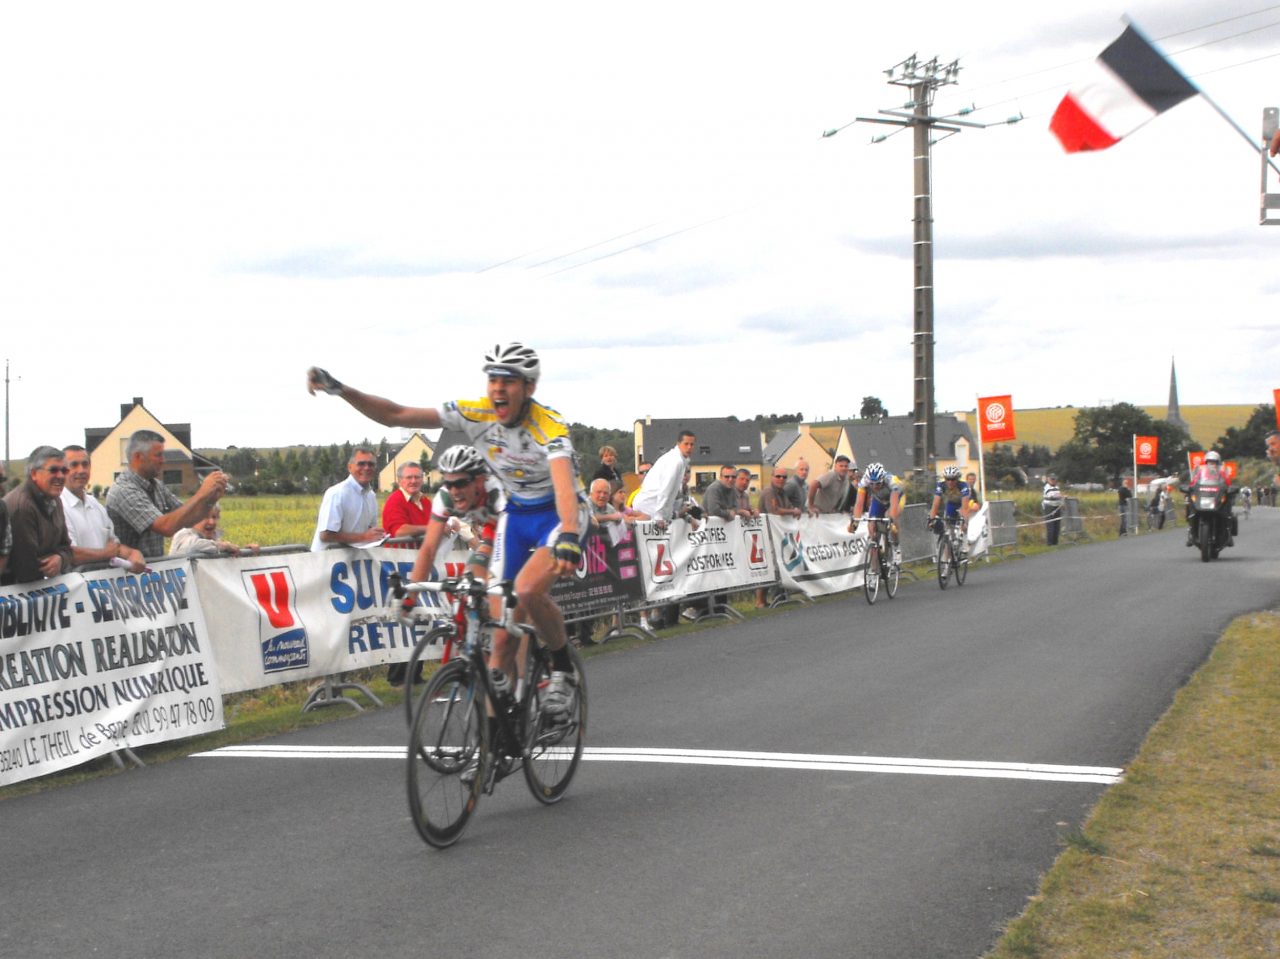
(1174, 416)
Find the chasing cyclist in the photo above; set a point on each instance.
(528, 449)
(952, 496)
(880, 496)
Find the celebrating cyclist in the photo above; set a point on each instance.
(952, 497)
(528, 449)
(880, 497)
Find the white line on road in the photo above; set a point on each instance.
(1042, 772)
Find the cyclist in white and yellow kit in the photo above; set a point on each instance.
(527, 447)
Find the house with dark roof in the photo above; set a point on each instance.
(891, 440)
(184, 469)
(788, 447)
(717, 441)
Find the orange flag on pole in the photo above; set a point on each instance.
(1146, 450)
(1194, 459)
(995, 419)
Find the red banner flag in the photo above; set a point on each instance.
(1194, 459)
(1145, 449)
(1232, 469)
(1276, 395)
(995, 419)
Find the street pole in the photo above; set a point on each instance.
(922, 254)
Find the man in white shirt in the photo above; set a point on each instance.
(93, 537)
(349, 509)
(659, 495)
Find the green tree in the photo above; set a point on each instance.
(1250, 439)
(1101, 449)
(872, 407)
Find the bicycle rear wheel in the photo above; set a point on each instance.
(889, 572)
(449, 736)
(943, 561)
(961, 561)
(553, 747)
(440, 634)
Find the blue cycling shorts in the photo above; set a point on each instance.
(877, 508)
(524, 528)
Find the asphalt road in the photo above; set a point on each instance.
(1064, 659)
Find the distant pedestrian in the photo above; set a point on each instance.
(1125, 494)
(1051, 506)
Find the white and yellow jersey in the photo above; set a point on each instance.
(519, 456)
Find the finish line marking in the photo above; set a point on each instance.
(1041, 772)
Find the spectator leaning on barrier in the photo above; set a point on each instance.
(721, 499)
(41, 548)
(830, 490)
(350, 508)
(93, 537)
(659, 494)
(742, 493)
(141, 507)
(797, 486)
(205, 539)
(774, 499)
(406, 511)
(1051, 506)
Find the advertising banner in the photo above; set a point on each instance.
(280, 619)
(719, 556)
(95, 662)
(979, 532)
(995, 419)
(1146, 450)
(609, 573)
(818, 555)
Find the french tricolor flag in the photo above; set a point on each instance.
(1132, 82)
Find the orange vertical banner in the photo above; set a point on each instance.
(995, 419)
(1146, 450)
(1194, 459)
(1276, 397)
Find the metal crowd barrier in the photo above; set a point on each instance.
(1003, 525)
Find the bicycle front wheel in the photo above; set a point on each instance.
(943, 562)
(961, 560)
(440, 634)
(448, 754)
(871, 573)
(553, 745)
(889, 572)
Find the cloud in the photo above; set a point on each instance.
(340, 264)
(1053, 242)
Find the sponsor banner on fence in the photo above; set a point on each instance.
(95, 662)
(818, 555)
(609, 573)
(979, 532)
(298, 616)
(719, 556)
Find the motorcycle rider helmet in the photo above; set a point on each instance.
(1213, 456)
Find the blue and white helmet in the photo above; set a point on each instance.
(874, 473)
(951, 473)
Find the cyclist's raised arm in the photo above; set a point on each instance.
(377, 408)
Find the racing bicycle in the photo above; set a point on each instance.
(880, 567)
(455, 754)
(953, 552)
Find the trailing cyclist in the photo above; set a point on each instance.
(880, 497)
(527, 447)
(952, 497)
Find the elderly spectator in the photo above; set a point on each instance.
(205, 539)
(350, 508)
(830, 491)
(93, 537)
(41, 548)
(602, 508)
(797, 486)
(721, 499)
(406, 511)
(659, 493)
(609, 468)
(141, 507)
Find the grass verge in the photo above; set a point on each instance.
(1183, 857)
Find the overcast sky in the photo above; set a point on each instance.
(200, 201)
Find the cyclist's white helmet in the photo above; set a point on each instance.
(874, 473)
(951, 472)
(512, 359)
(1213, 456)
(461, 459)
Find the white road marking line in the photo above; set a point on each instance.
(1042, 772)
